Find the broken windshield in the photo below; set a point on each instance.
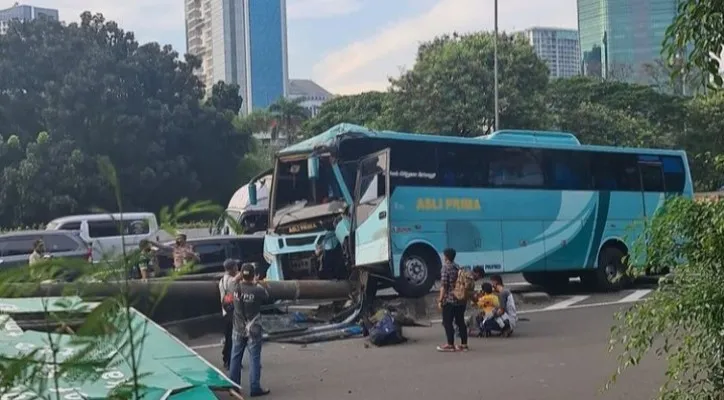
(293, 187)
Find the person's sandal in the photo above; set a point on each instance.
(446, 348)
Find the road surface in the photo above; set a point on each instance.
(560, 353)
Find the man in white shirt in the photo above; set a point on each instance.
(38, 252)
(227, 285)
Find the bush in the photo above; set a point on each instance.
(683, 319)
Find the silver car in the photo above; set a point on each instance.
(16, 247)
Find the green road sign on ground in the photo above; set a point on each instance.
(168, 369)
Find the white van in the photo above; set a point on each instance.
(107, 233)
(253, 218)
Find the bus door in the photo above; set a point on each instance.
(652, 183)
(371, 210)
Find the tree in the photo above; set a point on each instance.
(682, 320)
(696, 38)
(449, 90)
(666, 112)
(597, 124)
(93, 88)
(665, 77)
(703, 140)
(364, 109)
(225, 97)
(289, 115)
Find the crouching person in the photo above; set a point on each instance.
(249, 296)
(506, 312)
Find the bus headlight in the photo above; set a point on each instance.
(268, 257)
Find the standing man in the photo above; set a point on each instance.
(453, 310)
(227, 287)
(147, 262)
(249, 296)
(183, 253)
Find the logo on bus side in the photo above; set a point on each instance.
(449, 203)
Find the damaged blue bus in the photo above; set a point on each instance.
(531, 202)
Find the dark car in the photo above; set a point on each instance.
(214, 250)
(16, 247)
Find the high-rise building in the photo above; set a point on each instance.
(620, 38)
(25, 13)
(558, 48)
(243, 42)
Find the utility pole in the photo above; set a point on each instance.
(495, 68)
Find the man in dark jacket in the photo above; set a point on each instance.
(249, 296)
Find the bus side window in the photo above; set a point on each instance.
(516, 167)
(615, 172)
(674, 176)
(569, 170)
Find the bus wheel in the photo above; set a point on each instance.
(611, 272)
(419, 271)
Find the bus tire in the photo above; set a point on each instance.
(610, 275)
(419, 269)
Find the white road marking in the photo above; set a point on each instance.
(567, 303)
(206, 346)
(635, 296)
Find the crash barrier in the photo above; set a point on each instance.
(709, 196)
(178, 300)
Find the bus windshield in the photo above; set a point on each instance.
(293, 186)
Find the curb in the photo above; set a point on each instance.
(534, 297)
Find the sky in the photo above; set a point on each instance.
(347, 46)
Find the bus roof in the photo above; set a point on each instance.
(522, 138)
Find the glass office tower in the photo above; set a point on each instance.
(618, 38)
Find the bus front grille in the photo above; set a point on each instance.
(299, 266)
(300, 241)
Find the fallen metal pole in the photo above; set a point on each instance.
(309, 290)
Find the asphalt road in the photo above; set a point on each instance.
(557, 354)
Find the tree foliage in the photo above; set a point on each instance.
(97, 92)
(450, 88)
(225, 97)
(288, 116)
(364, 109)
(696, 38)
(683, 319)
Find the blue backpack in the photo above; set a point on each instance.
(386, 331)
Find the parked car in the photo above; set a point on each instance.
(214, 250)
(108, 233)
(16, 247)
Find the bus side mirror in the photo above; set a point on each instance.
(313, 167)
(252, 193)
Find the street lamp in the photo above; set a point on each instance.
(495, 68)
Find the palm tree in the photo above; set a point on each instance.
(289, 115)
